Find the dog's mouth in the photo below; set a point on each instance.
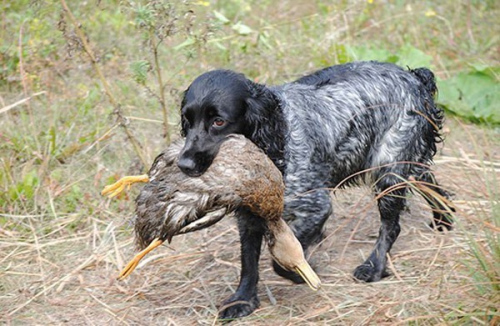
(193, 174)
(194, 166)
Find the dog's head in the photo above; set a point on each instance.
(216, 104)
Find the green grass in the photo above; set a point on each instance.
(61, 240)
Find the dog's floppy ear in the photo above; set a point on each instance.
(266, 126)
(260, 105)
(183, 121)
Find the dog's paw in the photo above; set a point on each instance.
(441, 227)
(237, 307)
(292, 276)
(369, 273)
(442, 222)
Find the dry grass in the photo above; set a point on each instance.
(62, 245)
(71, 278)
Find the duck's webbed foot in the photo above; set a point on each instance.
(117, 187)
(137, 258)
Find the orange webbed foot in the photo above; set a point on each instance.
(116, 188)
(132, 264)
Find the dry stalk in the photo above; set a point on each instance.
(116, 105)
(22, 72)
(166, 129)
(24, 100)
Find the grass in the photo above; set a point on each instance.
(61, 141)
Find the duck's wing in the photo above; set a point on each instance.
(166, 208)
(209, 219)
(192, 211)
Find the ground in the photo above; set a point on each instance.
(72, 279)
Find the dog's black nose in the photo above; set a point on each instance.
(187, 165)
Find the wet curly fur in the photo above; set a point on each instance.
(321, 131)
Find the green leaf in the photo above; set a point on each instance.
(140, 71)
(242, 29)
(474, 95)
(144, 16)
(52, 139)
(406, 55)
(363, 53)
(412, 57)
(264, 39)
(220, 17)
(220, 46)
(493, 72)
(25, 188)
(188, 42)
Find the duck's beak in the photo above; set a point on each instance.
(308, 274)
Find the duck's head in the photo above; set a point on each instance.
(287, 251)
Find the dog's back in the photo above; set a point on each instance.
(357, 116)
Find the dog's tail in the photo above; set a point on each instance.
(434, 112)
(427, 79)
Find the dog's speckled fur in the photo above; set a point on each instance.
(320, 130)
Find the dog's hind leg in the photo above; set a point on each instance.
(391, 201)
(245, 300)
(437, 199)
(306, 213)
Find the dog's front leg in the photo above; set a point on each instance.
(245, 300)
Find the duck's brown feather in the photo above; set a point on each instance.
(172, 203)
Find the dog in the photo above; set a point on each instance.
(368, 122)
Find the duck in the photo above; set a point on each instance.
(241, 175)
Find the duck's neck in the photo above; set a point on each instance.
(279, 237)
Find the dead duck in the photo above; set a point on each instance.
(172, 203)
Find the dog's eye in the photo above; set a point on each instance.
(218, 122)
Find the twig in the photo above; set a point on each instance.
(117, 107)
(107, 308)
(166, 128)
(24, 100)
(39, 256)
(21, 64)
(392, 268)
(438, 251)
(143, 119)
(450, 159)
(104, 136)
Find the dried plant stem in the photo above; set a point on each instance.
(161, 88)
(24, 100)
(22, 73)
(117, 107)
